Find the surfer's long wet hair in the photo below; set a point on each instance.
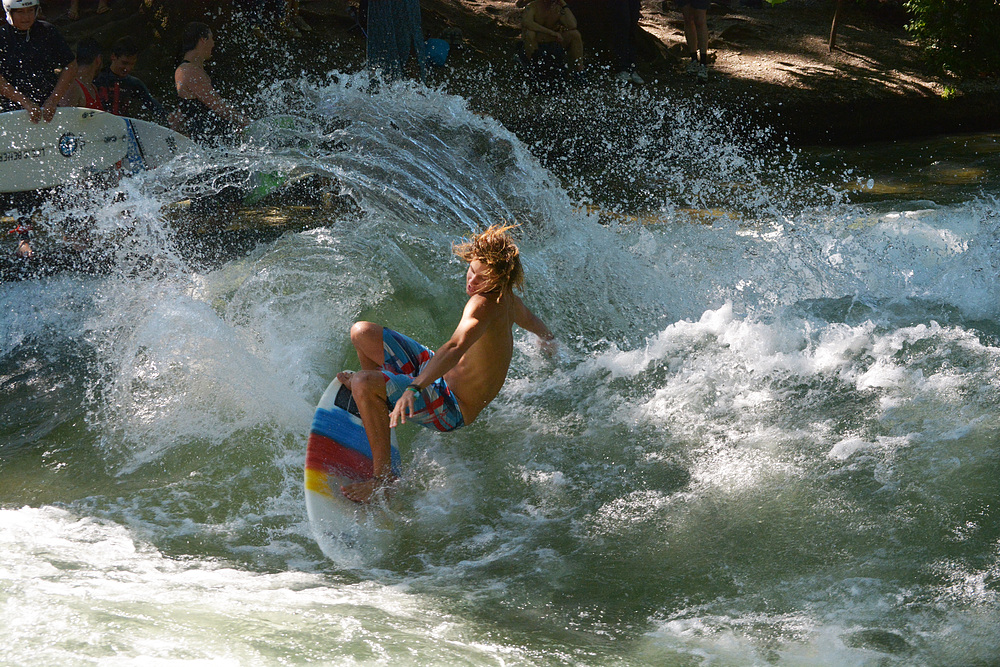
(497, 250)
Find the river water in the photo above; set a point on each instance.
(771, 435)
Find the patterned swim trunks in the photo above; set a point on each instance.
(435, 406)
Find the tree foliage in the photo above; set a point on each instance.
(960, 36)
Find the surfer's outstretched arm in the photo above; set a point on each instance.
(527, 320)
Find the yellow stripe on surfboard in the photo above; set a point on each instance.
(318, 481)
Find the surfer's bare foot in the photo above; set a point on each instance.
(345, 378)
(362, 492)
(359, 492)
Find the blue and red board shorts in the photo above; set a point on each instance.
(435, 405)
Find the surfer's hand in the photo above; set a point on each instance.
(49, 109)
(34, 111)
(549, 347)
(362, 492)
(176, 121)
(404, 408)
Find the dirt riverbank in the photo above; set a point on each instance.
(772, 63)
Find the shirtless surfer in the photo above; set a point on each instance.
(551, 21)
(446, 389)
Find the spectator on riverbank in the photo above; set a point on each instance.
(625, 22)
(88, 64)
(695, 14)
(394, 32)
(208, 118)
(545, 21)
(31, 51)
(74, 9)
(123, 94)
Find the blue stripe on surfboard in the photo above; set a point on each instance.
(340, 426)
(134, 154)
(345, 429)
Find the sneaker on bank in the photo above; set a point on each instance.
(692, 68)
(635, 78)
(301, 24)
(622, 77)
(702, 73)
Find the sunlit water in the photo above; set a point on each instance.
(771, 436)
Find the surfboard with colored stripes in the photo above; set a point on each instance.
(337, 451)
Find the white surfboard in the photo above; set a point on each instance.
(78, 143)
(157, 145)
(338, 452)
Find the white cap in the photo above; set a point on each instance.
(18, 4)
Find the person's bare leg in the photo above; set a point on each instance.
(367, 340)
(530, 38)
(573, 41)
(368, 389)
(690, 29)
(102, 7)
(74, 10)
(701, 26)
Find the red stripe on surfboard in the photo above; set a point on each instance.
(328, 455)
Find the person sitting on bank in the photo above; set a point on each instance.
(88, 63)
(547, 21)
(31, 51)
(209, 119)
(123, 94)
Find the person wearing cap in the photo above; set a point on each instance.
(31, 53)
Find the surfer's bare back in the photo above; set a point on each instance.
(446, 389)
